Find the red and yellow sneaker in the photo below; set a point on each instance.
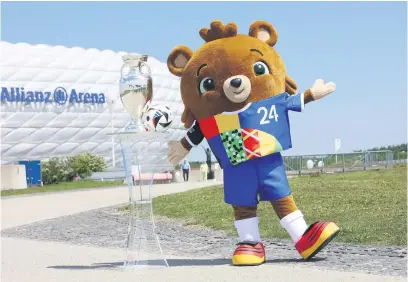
(316, 237)
(249, 253)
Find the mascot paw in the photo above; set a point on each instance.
(176, 152)
(316, 237)
(249, 253)
(321, 89)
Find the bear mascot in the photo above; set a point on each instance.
(237, 94)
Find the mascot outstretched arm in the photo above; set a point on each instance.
(237, 95)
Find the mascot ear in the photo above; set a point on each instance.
(290, 85)
(178, 59)
(264, 31)
(187, 118)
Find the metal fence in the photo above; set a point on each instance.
(308, 164)
(336, 163)
(400, 157)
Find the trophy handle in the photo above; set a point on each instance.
(121, 69)
(144, 69)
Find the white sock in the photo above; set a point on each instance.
(295, 224)
(248, 229)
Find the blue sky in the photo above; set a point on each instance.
(361, 46)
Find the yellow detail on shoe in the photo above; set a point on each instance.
(328, 231)
(247, 260)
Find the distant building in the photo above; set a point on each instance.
(59, 101)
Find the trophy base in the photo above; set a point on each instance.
(143, 244)
(135, 127)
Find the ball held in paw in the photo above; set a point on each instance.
(157, 118)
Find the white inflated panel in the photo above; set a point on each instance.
(39, 130)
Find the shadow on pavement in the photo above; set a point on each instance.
(175, 263)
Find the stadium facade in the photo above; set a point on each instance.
(60, 101)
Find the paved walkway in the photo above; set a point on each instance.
(24, 209)
(25, 260)
(31, 261)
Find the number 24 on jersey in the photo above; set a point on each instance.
(268, 114)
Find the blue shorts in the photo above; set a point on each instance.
(265, 176)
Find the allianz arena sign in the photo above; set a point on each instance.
(59, 96)
(61, 101)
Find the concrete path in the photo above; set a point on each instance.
(24, 209)
(32, 261)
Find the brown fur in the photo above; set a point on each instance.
(308, 96)
(262, 25)
(185, 144)
(175, 67)
(291, 85)
(226, 54)
(241, 212)
(187, 118)
(218, 31)
(284, 206)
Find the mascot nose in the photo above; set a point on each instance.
(236, 82)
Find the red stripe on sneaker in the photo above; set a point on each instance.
(250, 250)
(318, 230)
(260, 255)
(309, 239)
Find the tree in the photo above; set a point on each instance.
(394, 148)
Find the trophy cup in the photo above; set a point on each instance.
(136, 90)
(140, 150)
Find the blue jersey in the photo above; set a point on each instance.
(259, 129)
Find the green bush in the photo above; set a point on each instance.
(58, 170)
(84, 164)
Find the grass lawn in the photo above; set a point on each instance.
(370, 207)
(62, 187)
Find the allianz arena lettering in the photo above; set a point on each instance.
(59, 96)
(34, 130)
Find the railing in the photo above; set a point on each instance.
(335, 163)
(308, 164)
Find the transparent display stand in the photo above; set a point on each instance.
(140, 154)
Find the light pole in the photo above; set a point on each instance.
(337, 145)
(111, 107)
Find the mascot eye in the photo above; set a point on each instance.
(261, 68)
(207, 84)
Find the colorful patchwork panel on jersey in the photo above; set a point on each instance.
(234, 146)
(209, 127)
(251, 133)
(227, 122)
(268, 144)
(251, 142)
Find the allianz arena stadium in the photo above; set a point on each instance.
(32, 128)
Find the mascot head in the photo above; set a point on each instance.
(229, 71)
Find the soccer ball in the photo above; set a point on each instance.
(157, 118)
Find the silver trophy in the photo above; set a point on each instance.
(136, 89)
(140, 151)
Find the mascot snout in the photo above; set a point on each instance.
(237, 88)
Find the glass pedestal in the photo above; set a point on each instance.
(140, 152)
